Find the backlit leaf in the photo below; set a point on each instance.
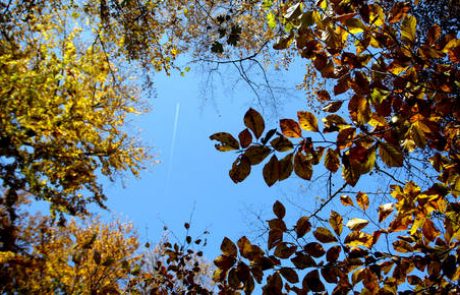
(323, 235)
(281, 144)
(254, 121)
(271, 171)
(241, 169)
(363, 200)
(308, 121)
(303, 226)
(228, 248)
(331, 160)
(336, 222)
(290, 128)
(227, 141)
(245, 138)
(333, 107)
(408, 29)
(385, 210)
(257, 153)
(279, 209)
(390, 155)
(302, 167)
(356, 224)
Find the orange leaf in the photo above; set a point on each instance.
(290, 128)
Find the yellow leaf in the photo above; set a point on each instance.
(308, 121)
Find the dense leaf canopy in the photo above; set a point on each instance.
(382, 79)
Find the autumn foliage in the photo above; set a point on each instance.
(383, 134)
(392, 106)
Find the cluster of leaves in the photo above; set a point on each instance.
(98, 258)
(393, 105)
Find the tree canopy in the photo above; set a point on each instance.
(382, 81)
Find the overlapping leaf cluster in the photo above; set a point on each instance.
(392, 105)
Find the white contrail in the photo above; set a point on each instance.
(173, 142)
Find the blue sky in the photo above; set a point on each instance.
(198, 181)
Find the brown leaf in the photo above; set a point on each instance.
(275, 237)
(323, 235)
(254, 121)
(245, 138)
(302, 167)
(330, 274)
(271, 171)
(336, 222)
(313, 281)
(289, 274)
(290, 128)
(343, 84)
(333, 254)
(346, 200)
(241, 168)
(345, 137)
(308, 121)
(363, 200)
(281, 144)
(303, 226)
(302, 261)
(257, 153)
(286, 166)
(385, 210)
(279, 209)
(429, 230)
(356, 224)
(284, 250)
(331, 160)
(323, 95)
(390, 155)
(314, 249)
(227, 141)
(333, 107)
(228, 248)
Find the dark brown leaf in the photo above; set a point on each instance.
(254, 121)
(227, 141)
(303, 226)
(245, 138)
(323, 235)
(241, 168)
(257, 153)
(271, 171)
